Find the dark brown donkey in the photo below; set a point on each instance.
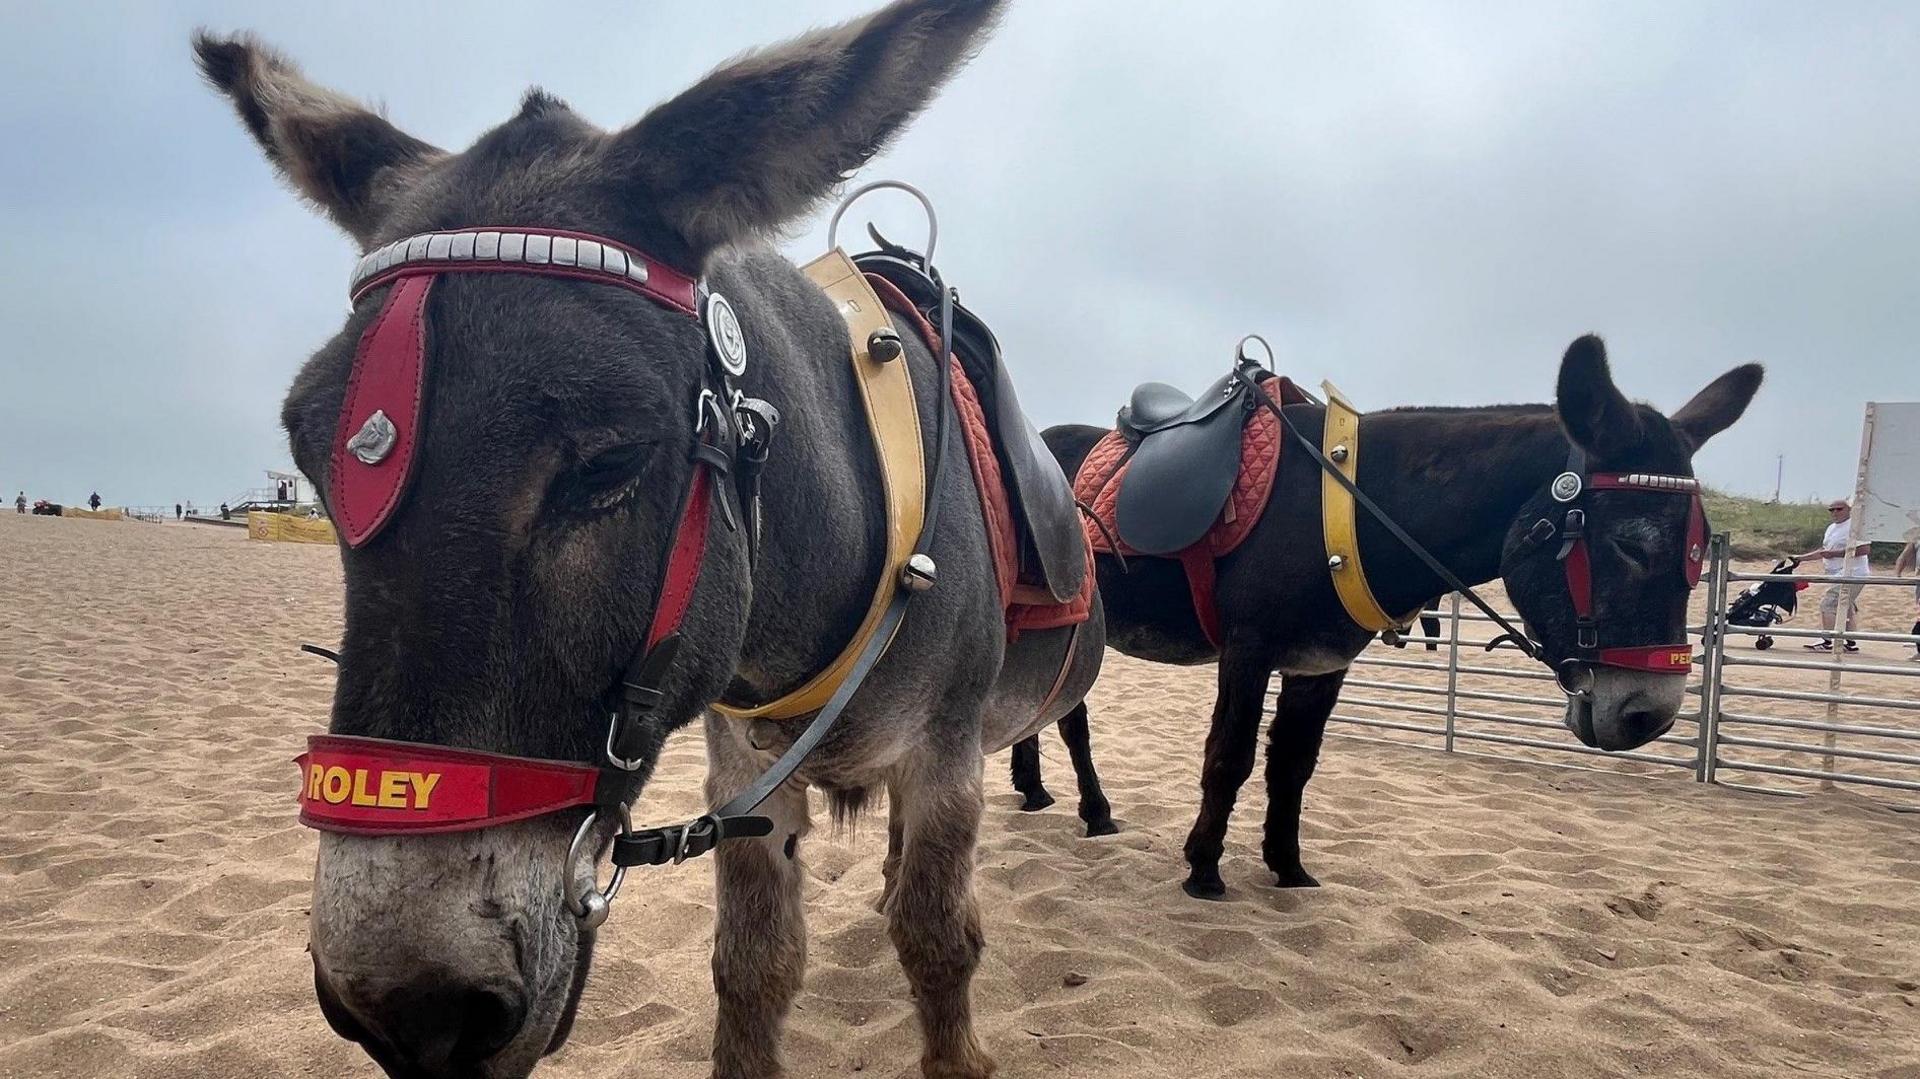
(498, 609)
(1472, 486)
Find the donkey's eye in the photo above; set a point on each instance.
(610, 476)
(1636, 555)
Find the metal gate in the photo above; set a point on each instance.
(1785, 722)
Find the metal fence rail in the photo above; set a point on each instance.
(1839, 719)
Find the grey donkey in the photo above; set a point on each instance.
(504, 596)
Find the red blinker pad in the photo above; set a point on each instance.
(371, 786)
(1696, 551)
(1654, 659)
(378, 439)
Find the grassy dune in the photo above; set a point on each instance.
(1764, 529)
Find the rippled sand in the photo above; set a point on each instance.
(1480, 917)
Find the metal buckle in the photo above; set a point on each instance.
(707, 402)
(712, 824)
(613, 728)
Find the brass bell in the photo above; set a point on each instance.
(1337, 562)
(1338, 454)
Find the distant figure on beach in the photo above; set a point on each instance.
(177, 513)
(94, 502)
(1837, 560)
(225, 513)
(20, 502)
(280, 492)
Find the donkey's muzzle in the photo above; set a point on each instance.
(432, 1028)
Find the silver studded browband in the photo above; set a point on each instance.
(501, 246)
(1655, 481)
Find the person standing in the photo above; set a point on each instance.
(94, 502)
(1836, 559)
(1909, 562)
(177, 513)
(20, 502)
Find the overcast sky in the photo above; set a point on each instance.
(1423, 203)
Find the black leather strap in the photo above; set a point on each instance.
(1511, 632)
(656, 846)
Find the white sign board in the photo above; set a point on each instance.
(1886, 495)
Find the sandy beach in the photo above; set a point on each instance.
(1480, 917)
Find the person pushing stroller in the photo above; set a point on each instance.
(1838, 556)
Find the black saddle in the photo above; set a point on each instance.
(1157, 406)
(1186, 458)
(1046, 520)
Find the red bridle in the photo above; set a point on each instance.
(1570, 488)
(378, 786)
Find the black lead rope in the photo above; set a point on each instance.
(1513, 633)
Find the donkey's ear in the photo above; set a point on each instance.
(1715, 408)
(1597, 416)
(337, 153)
(767, 135)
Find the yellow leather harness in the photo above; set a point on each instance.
(1341, 443)
(886, 392)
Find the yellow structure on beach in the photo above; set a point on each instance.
(287, 528)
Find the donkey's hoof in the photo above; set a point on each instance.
(1103, 826)
(1036, 801)
(975, 1065)
(1209, 887)
(1297, 877)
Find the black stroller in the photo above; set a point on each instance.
(1767, 603)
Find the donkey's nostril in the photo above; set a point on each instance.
(439, 1026)
(490, 1018)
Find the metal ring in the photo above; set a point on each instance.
(1240, 350)
(1568, 671)
(933, 223)
(592, 914)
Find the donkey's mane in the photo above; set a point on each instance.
(1524, 409)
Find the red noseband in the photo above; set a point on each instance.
(374, 786)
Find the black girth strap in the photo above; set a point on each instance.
(1511, 633)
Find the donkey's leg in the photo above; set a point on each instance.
(1293, 748)
(1231, 742)
(1026, 775)
(1094, 809)
(890, 865)
(759, 932)
(934, 920)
